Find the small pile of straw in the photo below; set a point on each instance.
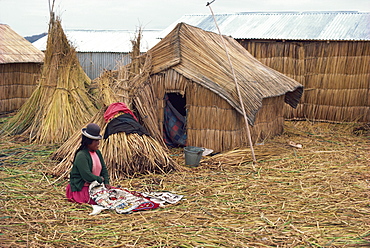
(131, 155)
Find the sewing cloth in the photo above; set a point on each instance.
(126, 201)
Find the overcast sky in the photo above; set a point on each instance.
(30, 17)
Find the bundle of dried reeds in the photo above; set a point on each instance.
(145, 100)
(130, 155)
(135, 53)
(65, 153)
(126, 155)
(60, 105)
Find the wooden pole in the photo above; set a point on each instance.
(237, 86)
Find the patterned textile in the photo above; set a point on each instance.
(174, 126)
(125, 201)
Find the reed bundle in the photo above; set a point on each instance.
(106, 88)
(146, 102)
(65, 153)
(61, 103)
(120, 84)
(135, 53)
(132, 155)
(126, 155)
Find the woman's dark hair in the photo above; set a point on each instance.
(85, 141)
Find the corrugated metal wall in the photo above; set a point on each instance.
(94, 63)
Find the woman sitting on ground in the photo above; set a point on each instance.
(88, 166)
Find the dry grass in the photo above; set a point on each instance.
(317, 196)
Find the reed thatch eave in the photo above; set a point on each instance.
(16, 49)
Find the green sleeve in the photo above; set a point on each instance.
(83, 163)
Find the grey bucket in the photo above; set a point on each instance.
(193, 155)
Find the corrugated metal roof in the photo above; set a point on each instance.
(16, 49)
(105, 40)
(314, 25)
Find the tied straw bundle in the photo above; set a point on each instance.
(126, 155)
(130, 155)
(65, 153)
(61, 103)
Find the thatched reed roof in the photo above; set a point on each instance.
(200, 56)
(16, 49)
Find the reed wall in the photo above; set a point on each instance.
(335, 74)
(17, 82)
(211, 121)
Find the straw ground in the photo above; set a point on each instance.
(317, 196)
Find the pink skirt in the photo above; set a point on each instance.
(79, 196)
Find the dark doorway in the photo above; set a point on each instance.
(174, 120)
(178, 102)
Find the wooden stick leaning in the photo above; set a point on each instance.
(237, 88)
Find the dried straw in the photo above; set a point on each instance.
(132, 155)
(60, 104)
(126, 155)
(316, 196)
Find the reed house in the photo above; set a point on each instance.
(190, 96)
(20, 68)
(327, 52)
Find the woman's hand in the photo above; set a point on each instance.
(102, 178)
(108, 186)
